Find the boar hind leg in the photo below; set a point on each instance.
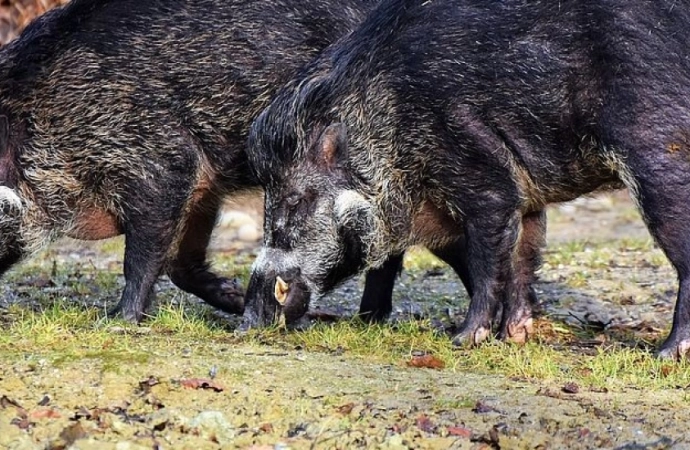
(491, 240)
(516, 321)
(661, 183)
(189, 269)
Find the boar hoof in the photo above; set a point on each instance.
(233, 297)
(242, 329)
(674, 350)
(127, 316)
(470, 337)
(249, 320)
(519, 332)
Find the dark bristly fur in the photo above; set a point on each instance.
(131, 116)
(442, 118)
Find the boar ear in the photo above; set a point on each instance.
(332, 146)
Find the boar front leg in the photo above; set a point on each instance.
(146, 246)
(377, 302)
(377, 299)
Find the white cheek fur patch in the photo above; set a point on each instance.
(349, 203)
(8, 197)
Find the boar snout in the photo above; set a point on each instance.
(275, 296)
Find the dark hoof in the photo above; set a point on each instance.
(674, 349)
(471, 335)
(373, 316)
(301, 324)
(518, 332)
(232, 297)
(128, 316)
(250, 320)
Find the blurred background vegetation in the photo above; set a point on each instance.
(17, 14)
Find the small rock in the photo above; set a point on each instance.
(248, 233)
(213, 426)
(13, 437)
(571, 388)
(126, 445)
(235, 219)
(396, 441)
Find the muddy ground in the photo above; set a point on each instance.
(227, 392)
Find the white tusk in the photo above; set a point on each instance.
(280, 290)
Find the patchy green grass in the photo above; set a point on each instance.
(418, 258)
(67, 333)
(64, 331)
(348, 383)
(600, 255)
(236, 265)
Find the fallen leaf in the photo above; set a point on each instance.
(425, 424)
(5, 401)
(346, 408)
(23, 423)
(426, 361)
(72, 433)
(201, 383)
(483, 408)
(266, 428)
(107, 343)
(146, 385)
(460, 431)
(667, 370)
(46, 413)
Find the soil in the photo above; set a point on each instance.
(226, 393)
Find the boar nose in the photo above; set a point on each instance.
(290, 274)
